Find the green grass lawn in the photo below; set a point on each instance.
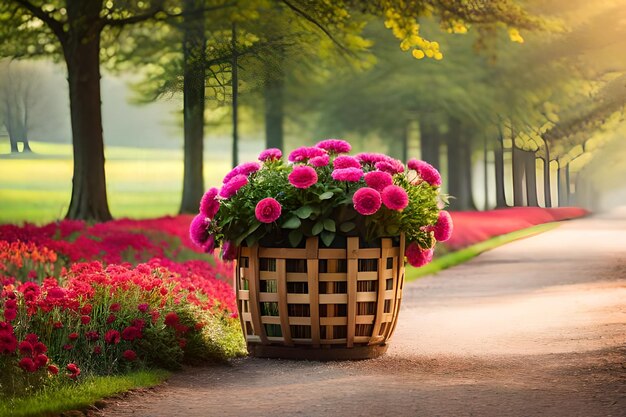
(141, 183)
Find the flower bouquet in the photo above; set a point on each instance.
(303, 221)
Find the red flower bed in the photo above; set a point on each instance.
(471, 227)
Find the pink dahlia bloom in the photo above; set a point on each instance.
(198, 230)
(231, 187)
(426, 171)
(319, 161)
(305, 153)
(267, 210)
(392, 166)
(334, 146)
(395, 197)
(443, 227)
(367, 201)
(347, 174)
(378, 180)
(370, 158)
(417, 256)
(303, 176)
(209, 205)
(271, 154)
(345, 161)
(246, 169)
(229, 251)
(209, 245)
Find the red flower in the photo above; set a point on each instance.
(111, 319)
(32, 338)
(26, 349)
(115, 307)
(8, 342)
(68, 346)
(72, 336)
(129, 355)
(163, 291)
(171, 319)
(87, 308)
(27, 364)
(182, 343)
(53, 369)
(40, 348)
(85, 319)
(138, 323)
(56, 292)
(143, 307)
(97, 350)
(10, 314)
(199, 325)
(73, 370)
(112, 337)
(131, 333)
(180, 328)
(41, 361)
(57, 325)
(93, 336)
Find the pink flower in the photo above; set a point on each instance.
(209, 245)
(198, 230)
(369, 158)
(426, 171)
(143, 307)
(378, 180)
(345, 161)
(229, 251)
(268, 210)
(416, 256)
(392, 166)
(319, 161)
(305, 153)
(395, 197)
(271, 154)
(335, 146)
(347, 174)
(129, 355)
(231, 187)
(209, 205)
(303, 176)
(367, 201)
(443, 227)
(244, 169)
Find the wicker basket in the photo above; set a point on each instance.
(318, 303)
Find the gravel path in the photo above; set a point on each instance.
(533, 328)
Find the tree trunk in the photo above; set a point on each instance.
(530, 168)
(459, 169)
(498, 154)
(518, 177)
(82, 55)
(14, 142)
(235, 88)
(26, 147)
(568, 189)
(486, 173)
(399, 148)
(429, 143)
(194, 44)
(547, 188)
(562, 185)
(274, 91)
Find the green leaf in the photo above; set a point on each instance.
(392, 229)
(292, 223)
(317, 228)
(251, 230)
(327, 237)
(251, 240)
(326, 195)
(304, 212)
(295, 237)
(346, 227)
(329, 224)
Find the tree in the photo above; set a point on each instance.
(18, 100)
(72, 30)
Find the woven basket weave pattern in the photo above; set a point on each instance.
(318, 297)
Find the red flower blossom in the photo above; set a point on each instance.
(171, 319)
(138, 323)
(86, 309)
(112, 337)
(111, 318)
(129, 355)
(85, 319)
(27, 364)
(68, 346)
(57, 325)
(131, 333)
(97, 350)
(8, 342)
(53, 369)
(10, 314)
(39, 348)
(73, 370)
(41, 361)
(72, 336)
(32, 338)
(143, 307)
(115, 307)
(25, 348)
